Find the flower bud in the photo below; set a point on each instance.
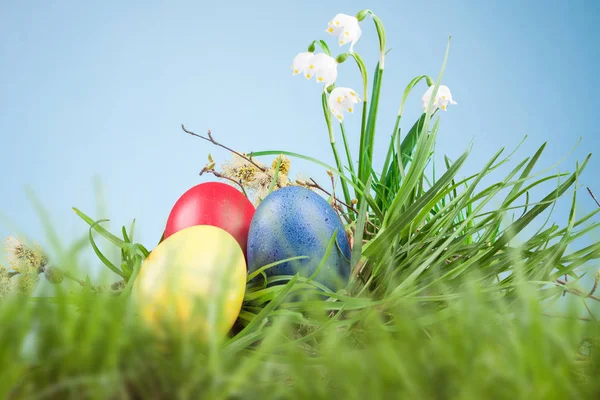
(362, 15)
(54, 275)
(341, 58)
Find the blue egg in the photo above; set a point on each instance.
(295, 221)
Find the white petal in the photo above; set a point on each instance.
(343, 20)
(427, 96)
(352, 32)
(301, 62)
(342, 100)
(334, 30)
(325, 68)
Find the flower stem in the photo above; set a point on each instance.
(348, 154)
(334, 148)
(368, 138)
(363, 73)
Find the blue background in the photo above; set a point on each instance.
(97, 91)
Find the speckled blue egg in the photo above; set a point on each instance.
(295, 221)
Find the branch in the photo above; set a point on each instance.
(213, 141)
(587, 319)
(218, 175)
(593, 197)
(576, 291)
(317, 186)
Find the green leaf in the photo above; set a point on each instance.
(255, 323)
(360, 230)
(254, 274)
(125, 237)
(328, 249)
(386, 235)
(106, 234)
(101, 256)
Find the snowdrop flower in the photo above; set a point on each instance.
(320, 65)
(346, 28)
(302, 64)
(326, 69)
(340, 100)
(442, 98)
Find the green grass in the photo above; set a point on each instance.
(475, 342)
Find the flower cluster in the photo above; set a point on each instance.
(346, 28)
(26, 264)
(320, 65)
(22, 257)
(255, 177)
(5, 283)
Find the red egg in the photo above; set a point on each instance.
(216, 204)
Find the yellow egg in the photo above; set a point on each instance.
(193, 283)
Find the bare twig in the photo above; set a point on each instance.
(576, 291)
(317, 186)
(335, 206)
(593, 290)
(587, 319)
(589, 310)
(243, 156)
(593, 197)
(74, 279)
(218, 175)
(213, 141)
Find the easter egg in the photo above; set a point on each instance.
(216, 204)
(295, 221)
(194, 282)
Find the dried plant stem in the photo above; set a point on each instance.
(213, 141)
(593, 197)
(589, 310)
(576, 291)
(237, 153)
(315, 185)
(74, 279)
(218, 175)
(587, 319)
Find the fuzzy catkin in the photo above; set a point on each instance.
(4, 283)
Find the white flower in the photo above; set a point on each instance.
(326, 69)
(346, 28)
(340, 100)
(302, 64)
(321, 65)
(442, 98)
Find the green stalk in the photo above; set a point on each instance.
(347, 148)
(395, 133)
(367, 140)
(363, 73)
(334, 148)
